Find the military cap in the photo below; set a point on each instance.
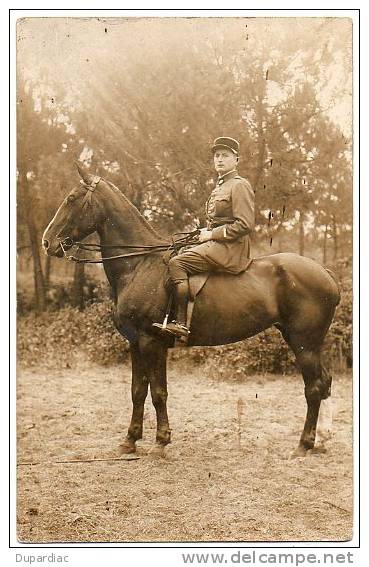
(229, 143)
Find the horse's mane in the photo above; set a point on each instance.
(134, 210)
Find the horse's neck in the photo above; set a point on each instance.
(123, 224)
(121, 273)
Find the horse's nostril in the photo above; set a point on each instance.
(46, 244)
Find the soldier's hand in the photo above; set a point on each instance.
(205, 235)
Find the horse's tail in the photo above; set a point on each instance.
(336, 282)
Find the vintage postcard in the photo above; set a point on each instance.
(184, 279)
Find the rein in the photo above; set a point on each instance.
(97, 248)
(186, 240)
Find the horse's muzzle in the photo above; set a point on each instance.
(52, 250)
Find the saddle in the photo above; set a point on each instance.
(195, 284)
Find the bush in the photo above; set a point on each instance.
(62, 338)
(338, 344)
(262, 354)
(59, 294)
(65, 337)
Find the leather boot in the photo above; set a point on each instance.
(178, 327)
(181, 296)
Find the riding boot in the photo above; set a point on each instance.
(181, 296)
(178, 327)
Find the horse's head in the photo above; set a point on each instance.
(77, 217)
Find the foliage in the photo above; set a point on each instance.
(338, 347)
(147, 114)
(262, 354)
(65, 336)
(60, 293)
(141, 106)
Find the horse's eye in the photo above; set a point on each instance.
(70, 198)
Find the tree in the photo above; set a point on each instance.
(139, 107)
(37, 137)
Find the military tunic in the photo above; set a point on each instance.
(230, 213)
(230, 217)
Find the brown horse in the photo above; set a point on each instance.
(291, 292)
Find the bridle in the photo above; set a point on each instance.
(186, 239)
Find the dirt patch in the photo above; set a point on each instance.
(227, 475)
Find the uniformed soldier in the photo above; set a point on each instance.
(224, 244)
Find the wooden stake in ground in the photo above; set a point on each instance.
(240, 405)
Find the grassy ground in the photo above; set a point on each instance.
(227, 475)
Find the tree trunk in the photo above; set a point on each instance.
(38, 278)
(261, 143)
(301, 234)
(335, 237)
(78, 284)
(47, 272)
(325, 245)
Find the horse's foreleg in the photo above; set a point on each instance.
(140, 381)
(155, 356)
(317, 388)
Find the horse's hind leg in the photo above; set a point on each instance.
(324, 425)
(317, 389)
(317, 386)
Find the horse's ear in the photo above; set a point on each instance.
(84, 175)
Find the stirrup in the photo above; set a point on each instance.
(174, 329)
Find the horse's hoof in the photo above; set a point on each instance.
(157, 450)
(322, 438)
(126, 448)
(299, 452)
(319, 449)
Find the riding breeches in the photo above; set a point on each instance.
(182, 266)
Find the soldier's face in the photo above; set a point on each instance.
(224, 161)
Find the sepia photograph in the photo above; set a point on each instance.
(184, 240)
